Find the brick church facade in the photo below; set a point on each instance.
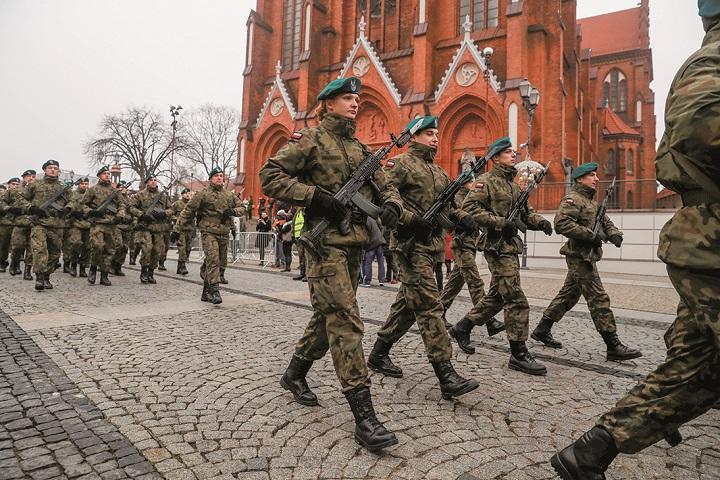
(419, 57)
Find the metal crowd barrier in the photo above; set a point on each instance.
(248, 247)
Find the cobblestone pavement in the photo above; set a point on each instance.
(194, 389)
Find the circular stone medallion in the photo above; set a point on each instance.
(276, 107)
(361, 66)
(467, 74)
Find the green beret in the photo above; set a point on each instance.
(50, 162)
(498, 146)
(340, 85)
(583, 169)
(84, 180)
(102, 170)
(29, 172)
(185, 190)
(14, 180)
(429, 121)
(149, 176)
(709, 8)
(214, 172)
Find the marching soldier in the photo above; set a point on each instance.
(47, 231)
(490, 203)
(576, 219)
(125, 232)
(419, 181)
(687, 384)
(7, 215)
(215, 207)
(316, 163)
(151, 208)
(20, 238)
(76, 243)
(102, 204)
(184, 237)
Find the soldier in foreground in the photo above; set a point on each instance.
(576, 219)
(7, 216)
(125, 232)
(184, 237)
(20, 239)
(306, 172)
(687, 384)
(490, 203)
(76, 246)
(419, 181)
(215, 208)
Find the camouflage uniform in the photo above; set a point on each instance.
(150, 235)
(125, 233)
(103, 234)
(20, 238)
(6, 227)
(76, 245)
(323, 157)
(687, 384)
(186, 233)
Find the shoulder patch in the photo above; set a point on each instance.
(479, 185)
(389, 164)
(296, 136)
(569, 201)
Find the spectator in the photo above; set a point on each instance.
(286, 237)
(277, 228)
(263, 227)
(250, 208)
(374, 250)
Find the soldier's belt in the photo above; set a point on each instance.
(693, 198)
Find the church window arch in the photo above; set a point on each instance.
(610, 165)
(630, 161)
(513, 123)
(483, 14)
(615, 91)
(292, 20)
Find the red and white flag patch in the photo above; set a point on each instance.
(296, 136)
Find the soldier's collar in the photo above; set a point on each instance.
(425, 152)
(216, 187)
(338, 125)
(584, 190)
(507, 172)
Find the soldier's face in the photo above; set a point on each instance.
(105, 176)
(590, 180)
(52, 171)
(506, 157)
(12, 185)
(83, 186)
(217, 179)
(428, 137)
(345, 105)
(29, 178)
(186, 196)
(152, 183)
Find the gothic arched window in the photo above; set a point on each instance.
(610, 165)
(292, 18)
(615, 91)
(630, 161)
(483, 14)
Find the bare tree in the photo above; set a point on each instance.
(210, 139)
(139, 138)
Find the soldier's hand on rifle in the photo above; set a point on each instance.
(419, 228)
(146, 218)
(466, 225)
(228, 213)
(327, 206)
(174, 237)
(510, 229)
(15, 210)
(38, 212)
(616, 240)
(599, 238)
(546, 227)
(77, 214)
(95, 213)
(66, 211)
(389, 215)
(159, 214)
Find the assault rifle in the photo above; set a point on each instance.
(349, 194)
(108, 205)
(603, 209)
(53, 202)
(152, 210)
(437, 215)
(518, 208)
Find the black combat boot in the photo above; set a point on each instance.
(181, 268)
(222, 277)
(461, 334)
(587, 458)
(616, 350)
(27, 275)
(161, 265)
(293, 380)
(133, 258)
(494, 326)
(523, 361)
(205, 297)
(74, 269)
(39, 284)
(452, 384)
(144, 275)
(14, 266)
(3, 266)
(369, 432)
(117, 269)
(543, 334)
(66, 267)
(151, 275)
(92, 274)
(104, 280)
(300, 276)
(82, 273)
(379, 360)
(46, 281)
(214, 294)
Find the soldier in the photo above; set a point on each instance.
(215, 208)
(576, 219)
(47, 231)
(316, 163)
(419, 180)
(7, 216)
(151, 207)
(124, 232)
(489, 203)
(687, 384)
(185, 234)
(77, 237)
(99, 203)
(20, 238)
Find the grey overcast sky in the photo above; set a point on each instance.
(65, 63)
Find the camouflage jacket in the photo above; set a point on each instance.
(95, 196)
(491, 200)
(6, 219)
(177, 209)
(323, 157)
(419, 181)
(575, 219)
(141, 201)
(15, 199)
(688, 160)
(208, 205)
(465, 241)
(77, 208)
(127, 223)
(38, 193)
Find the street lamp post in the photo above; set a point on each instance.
(531, 98)
(174, 112)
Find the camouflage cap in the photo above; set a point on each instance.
(340, 85)
(429, 121)
(28, 172)
(583, 169)
(214, 172)
(49, 163)
(709, 8)
(498, 146)
(102, 170)
(13, 180)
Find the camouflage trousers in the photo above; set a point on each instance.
(166, 241)
(152, 246)
(687, 384)
(122, 248)
(216, 249)
(184, 244)
(19, 243)
(505, 293)
(103, 244)
(583, 279)
(464, 271)
(5, 235)
(418, 300)
(76, 246)
(46, 247)
(336, 324)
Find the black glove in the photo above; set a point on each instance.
(77, 214)
(159, 214)
(327, 206)
(15, 210)
(546, 227)
(228, 213)
(146, 218)
(174, 237)
(38, 212)
(95, 214)
(616, 240)
(420, 228)
(509, 230)
(466, 225)
(598, 239)
(66, 211)
(389, 215)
